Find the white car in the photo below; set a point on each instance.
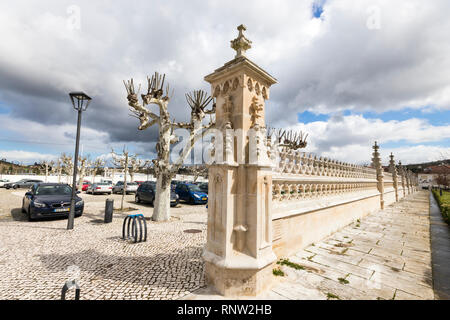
(97, 188)
(131, 187)
(3, 182)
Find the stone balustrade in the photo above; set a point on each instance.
(302, 182)
(295, 162)
(288, 188)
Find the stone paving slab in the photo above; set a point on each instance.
(385, 255)
(382, 255)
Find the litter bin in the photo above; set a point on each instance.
(109, 208)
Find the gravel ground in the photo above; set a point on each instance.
(36, 258)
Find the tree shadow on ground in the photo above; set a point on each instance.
(178, 270)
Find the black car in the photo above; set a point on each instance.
(24, 183)
(146, 192)
(50, 200)
(204, 187)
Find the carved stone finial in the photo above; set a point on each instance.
(391, 161)
(375, 147)
(241, 43)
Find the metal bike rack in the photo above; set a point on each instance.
(67, 286)
(133, 224)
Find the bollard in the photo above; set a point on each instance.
(67, 286)
(109, 208)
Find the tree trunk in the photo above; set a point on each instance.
(124, 181)
(161, 210)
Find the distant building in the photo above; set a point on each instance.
(435, 176)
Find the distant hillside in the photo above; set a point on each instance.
(7, 167)
(418, 168)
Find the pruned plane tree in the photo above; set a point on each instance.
(159, 96)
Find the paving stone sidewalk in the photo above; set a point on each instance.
(383, 256)
(36, 258)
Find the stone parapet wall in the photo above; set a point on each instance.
(313, 197)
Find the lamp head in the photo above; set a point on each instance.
(80, 100)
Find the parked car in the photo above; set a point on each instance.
(50, 200)
(174, 182)
(85, 186)
(101, 187)
(131, 187)
(191, 193)
(24, 183)
(146, 192)
(3, 182)
(203, 186)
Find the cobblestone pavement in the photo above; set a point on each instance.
(383, 256)
(36, 258)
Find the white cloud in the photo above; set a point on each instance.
(349, 138)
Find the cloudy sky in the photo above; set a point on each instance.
(349, 72)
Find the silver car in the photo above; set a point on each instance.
(131, 187)
(3, 182)
(101, 187)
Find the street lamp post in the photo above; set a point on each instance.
(80, 102)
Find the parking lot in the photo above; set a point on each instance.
(36, 258)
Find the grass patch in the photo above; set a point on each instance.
(286, 262)
(278, 272)
(332, 296)
(343, 281)
(444, 203)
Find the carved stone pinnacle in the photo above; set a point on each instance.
(241, 43)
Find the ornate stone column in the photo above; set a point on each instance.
(393, 170)
(238, 252)
(376, 161)
(402, 174)
(408, 181)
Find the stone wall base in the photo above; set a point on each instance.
(293, 233)
(238, 282)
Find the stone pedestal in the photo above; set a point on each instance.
(238, 253)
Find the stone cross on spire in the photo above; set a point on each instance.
(241, 43)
